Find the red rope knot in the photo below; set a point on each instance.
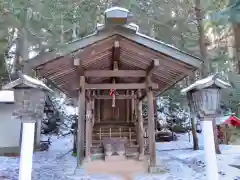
(112, 92)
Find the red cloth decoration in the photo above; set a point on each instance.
(233, 120)
(112, 91)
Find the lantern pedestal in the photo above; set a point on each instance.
(209, 149)
(25, 168)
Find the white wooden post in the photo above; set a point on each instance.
(25, 167)
(209, 149)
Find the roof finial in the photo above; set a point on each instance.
(116, 16)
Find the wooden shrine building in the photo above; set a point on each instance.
(110, 72)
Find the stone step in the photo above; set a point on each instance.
(96, 142)
(114, 134)
(114, 129)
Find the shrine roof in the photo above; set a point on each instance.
(97, 51)
(129, 31)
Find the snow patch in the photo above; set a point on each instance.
(180, 164)
(6, 96)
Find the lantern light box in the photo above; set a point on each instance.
(204, 94)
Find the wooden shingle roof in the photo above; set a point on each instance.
(96, 52)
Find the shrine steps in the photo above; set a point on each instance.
(101, 132)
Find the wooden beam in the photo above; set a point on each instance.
(152, 68)
(115, 73)
(81, 123)
(116, 51)
(98, 97)
(78, 65)
(121, 86)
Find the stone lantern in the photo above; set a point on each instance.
(30, 100)
(204, 97)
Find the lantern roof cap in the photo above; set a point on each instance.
(212, 80)
(27, 81)
(116, 9)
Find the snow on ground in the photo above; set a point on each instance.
(177, 158)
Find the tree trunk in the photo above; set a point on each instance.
(217, 149)
(189, 81)
(203, 50)
(22, 44)
(15, 67)
(75, 138)
(236, 30)
(194, 134)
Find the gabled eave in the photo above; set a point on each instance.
(127, 31)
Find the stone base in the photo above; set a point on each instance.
(156, 169)
(79, 171)
(97, 156)
(115, 158)
(141, 158)
(13, 151)
(87, 159)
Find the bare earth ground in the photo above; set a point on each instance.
(125, 168)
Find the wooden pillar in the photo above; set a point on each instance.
(155, 112)
(132, 107)
(127, 107)
(98, 107)
(81, 122)
(151, 128)
(88, 130)
(93, 118)
(140, 129)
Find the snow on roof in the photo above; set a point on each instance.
(233, 120)
(36, 82)
(29, 81)
(6, 96)
(116, 8)
(220, 120)
(207, 82)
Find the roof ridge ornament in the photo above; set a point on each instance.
(116, 16)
